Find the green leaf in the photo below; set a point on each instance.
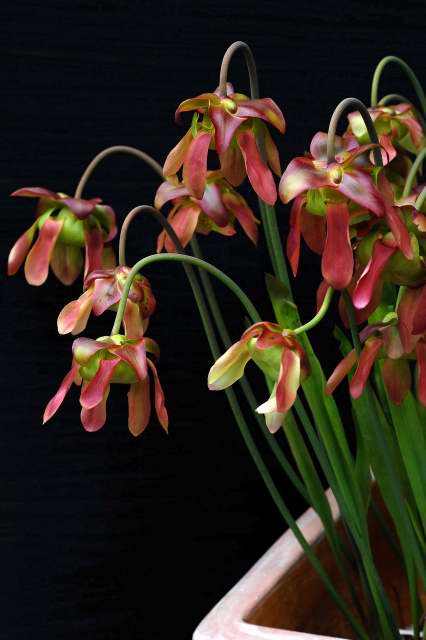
(286, 312)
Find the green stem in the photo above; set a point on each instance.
(420, 200)
(352, 103)
(319, 315)
(268, 214)
(413, 172)
(408, 71)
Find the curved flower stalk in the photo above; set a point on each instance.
(280, 356)
(217, 211)
(229, 124)
(67, 227)
(97, 364)
(103, 290)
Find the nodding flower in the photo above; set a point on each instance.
(232, 125)
(97, 364)
(71, 232)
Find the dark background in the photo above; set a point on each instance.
(104, 536)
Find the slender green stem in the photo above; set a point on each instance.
(110, 151)
(413, 172)
(191, 260)
(268, 214)
(319, 315)
(352, 103)
(408, 71)
(420, 200)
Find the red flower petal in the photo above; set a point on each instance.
(135, 356)
(302, 174)
(35, 192)
(272, 155)
(232, 166)
(184, 223)
(159, 399)
(73, 317)
(94, 250)
(245, 216)
(55, 402)
(134, 325)
(93, 393)
(293, 238)
(105, 292)
(167, 191)
(139, 406)
(258, 173)
(406, 312)
(81, 208)
(340, 372)
(212, 204)
(20, 249)
(288, 380)
(175, 159)
(66, 262)
(419, 319)
(370, 277)
(313, 231)
(84, 348)
(264, 108)
(37, 262)
(366, 360)
(394, 218)
(94, 419)
(225, 126)
(360, 188)
(421, 371)
(337, 259)
(397, 378)
(195, 165)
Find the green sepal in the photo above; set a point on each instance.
(72, 231)
(286, 312)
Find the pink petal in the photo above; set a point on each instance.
(272, 155)
(195, 165)
(340, 372)
(366, 360)
(133, 323)
(245, 216)
(66, 262)
(288, 380)
(313, 231)
(225, 126)
(406, 313)
(175, 159)
(394, 218)
(258, 173)
(359, 187)
(94, 418)
(84, 348)
(105, 292)
(81, 208)
(184, 223)
(55, 402)
(37, 262)
(370, 277)
(416, 131)
(20, 249)
(139, 407)
(168, 191)
(135, 356)
(213, 206)
(293, 238)
(35, 192)
(321, 292)
(93, 393)
(397, 378)
(73, 317)
(94, 249)
(337, 260)
(388, 151)
(302, 174)
(421, 371)
(419, 319)
(159, 399)
(232, 165)
(263, 108)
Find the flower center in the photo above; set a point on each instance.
(229, 105)
(336, 173)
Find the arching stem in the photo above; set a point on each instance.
(407, 70)
(413, 172)
(268, 215)
(344, 105)
(420, 200)
(110, 151)
(318, 316)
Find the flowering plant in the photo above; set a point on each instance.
(355, 201)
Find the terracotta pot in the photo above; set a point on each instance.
(281, 597)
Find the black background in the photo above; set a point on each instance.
(104, 536)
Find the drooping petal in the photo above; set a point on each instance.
(340, 372)
(258, 173)
(159, 400)
(66, 262)
(421, 371)
(195, 165)
(55, 402)
(225, 125)
(232, 165)
(359, 187)
(394, 218)
(229, 367)
(337, 259)
(80, 207)
(176, 156)
(293, 238)
(300, 175)
(387, 149)
(288, 380)
(370, 277)
(213, 205)
(94, 249)
(198, 103)
(35, 192)
(94, 418)
(184, 223)
(366, 360)
(20, 249)
(245, 216)
(419, 319)
(406, 313)
(84, 348)
(168, 191)
(139, 406)
(135, 356)
(272, 155)
(313, 230)
(73, 317)
(397, 378)
(37, 262)
(93, 393)
(134, 324)
(264, 108)
(105, 292)
(273, 417)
